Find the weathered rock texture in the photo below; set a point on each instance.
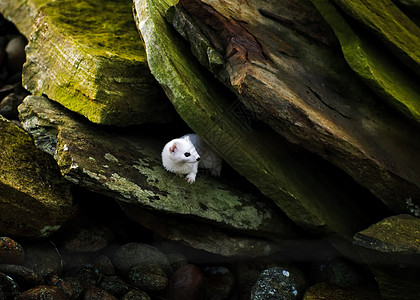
(35, 200)
(283, 63)
(307, 190)
(376, 67)
(392, 250)
(127, 167)
(87, 55)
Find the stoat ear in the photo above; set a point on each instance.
(187, 138)
(172, 148)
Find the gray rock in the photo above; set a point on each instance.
(148, 277)
(298, 182)
(127, 166)
(135, 254)
(279, 283)
(16, 56)
(285, 69)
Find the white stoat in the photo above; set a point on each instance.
(184, 155)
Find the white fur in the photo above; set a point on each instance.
(174, 157)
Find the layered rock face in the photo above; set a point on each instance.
(34, 199)
(314, 107)
(97, 70)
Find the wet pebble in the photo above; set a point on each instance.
(113, 285)
(9, 105)
(176, 260)
(16, 55)
(149, 277)
(337, 271)
(95, 293)
(42, 292)
(11, 252)
(9, 289)
(186, 283)
(86, 237)
(137, 254)
(135, 295)
(104, 265)
(219, 283)
(279, 283)
(44, 258)
(24, 276)
(70, 287)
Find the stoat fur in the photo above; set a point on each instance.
(184, 155)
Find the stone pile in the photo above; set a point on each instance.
(313, 105)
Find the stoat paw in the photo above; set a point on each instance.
(190, 178)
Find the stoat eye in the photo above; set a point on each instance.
(187, 154)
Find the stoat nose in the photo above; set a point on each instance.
(198, 158)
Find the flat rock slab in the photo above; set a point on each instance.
(127, 166)
(389, 24)
(303, 186)
(367, 57)
(87, 55)
(284, 65)
(203, 236)
(391, 248)
(35, 200)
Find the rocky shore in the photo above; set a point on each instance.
(313, 105)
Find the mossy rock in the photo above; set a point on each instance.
(395, 29)
(368, 58)
(127, 166)
(35, 200)
(87, 55)
(391, 248)
(299, 183)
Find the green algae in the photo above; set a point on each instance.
(377, 69)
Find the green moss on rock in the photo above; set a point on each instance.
(373, 65)
(33, 194)
(87, 55)
(284, 174)
(391, 25)
(128, 168)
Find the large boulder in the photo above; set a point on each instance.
(35, 200)
(285, 65)
(307, 189)
(127, 166)
(86, 55)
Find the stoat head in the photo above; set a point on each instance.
(182, 150)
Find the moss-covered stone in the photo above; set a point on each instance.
(86, 55)
(127, 166)
(299, 184)
(391, 25)
(35, 199)
(391, 248)
(370, 62)
(287, 68)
